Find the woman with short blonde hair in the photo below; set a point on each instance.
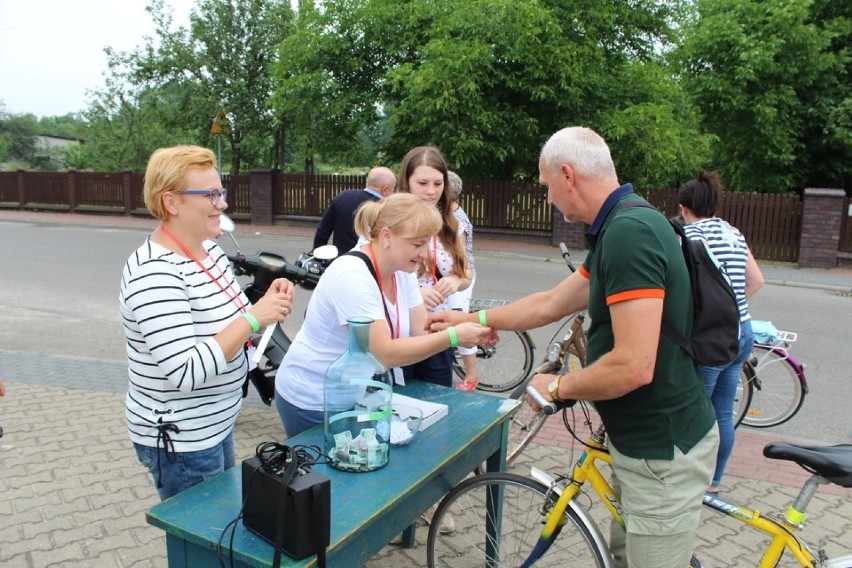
(186, 324)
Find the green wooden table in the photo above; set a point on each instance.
(367, 509)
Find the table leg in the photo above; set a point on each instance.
(408, 535)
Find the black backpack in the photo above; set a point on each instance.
(715, 334)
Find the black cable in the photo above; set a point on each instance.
(233, 526)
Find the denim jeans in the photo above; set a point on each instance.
(437, 369)
(296, 420)
(181, 470)
(721, 383)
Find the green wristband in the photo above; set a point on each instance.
(255, 325)
(454, 339)
(483, 321)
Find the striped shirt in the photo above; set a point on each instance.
(171, 309)
(729, 249)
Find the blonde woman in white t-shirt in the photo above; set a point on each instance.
(398, 231)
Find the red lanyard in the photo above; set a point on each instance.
(434, 259)
(394, 334)
(233, 296)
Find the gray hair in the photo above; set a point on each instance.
(455, 183)
(583, 149)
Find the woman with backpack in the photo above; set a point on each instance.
(698, 200)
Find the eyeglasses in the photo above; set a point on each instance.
(214, 194)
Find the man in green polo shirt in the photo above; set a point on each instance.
(648, 392)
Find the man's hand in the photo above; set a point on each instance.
(444, 319)
(540, 383)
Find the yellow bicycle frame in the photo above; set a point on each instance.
(781, 532)
(586, 470)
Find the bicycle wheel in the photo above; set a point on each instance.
(503, 366)
(526, 502)
(777, 393)
(742, 399)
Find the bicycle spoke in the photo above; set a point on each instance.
(507, 364)
(777, 392)
(508, 537)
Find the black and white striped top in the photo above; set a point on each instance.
(171, 310)
(730, 250)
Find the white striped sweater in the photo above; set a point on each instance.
(171, 309)
(730, 250)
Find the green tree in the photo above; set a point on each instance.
(772, 81)
(71, 125)
(220, 63)
(487, 81)
(18, 134)
(126, 123)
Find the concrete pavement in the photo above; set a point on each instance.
(73, 494)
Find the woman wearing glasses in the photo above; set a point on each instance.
(187, 324)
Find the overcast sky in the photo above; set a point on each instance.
(51, 51)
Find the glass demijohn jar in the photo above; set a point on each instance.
(357, 407)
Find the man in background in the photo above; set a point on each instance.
(339, 218)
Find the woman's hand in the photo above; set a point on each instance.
(431, 298)
(282, 285)
(471, 334)
(448, 285)
(276, 304)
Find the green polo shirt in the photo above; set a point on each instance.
(634, 253)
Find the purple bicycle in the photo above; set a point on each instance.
(772, 384)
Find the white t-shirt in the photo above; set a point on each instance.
(346, 290)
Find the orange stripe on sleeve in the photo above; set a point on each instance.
(585, 273)
(635, 294)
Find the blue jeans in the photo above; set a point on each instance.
(721, 383)
(296, 420)
(181, 470)
(436, 369)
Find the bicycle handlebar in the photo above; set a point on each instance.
(567, 256)
(548, 406)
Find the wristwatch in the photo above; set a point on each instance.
(553, 388)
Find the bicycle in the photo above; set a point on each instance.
(504, 365)
(772, 384)
(563, 356)
(499, 516)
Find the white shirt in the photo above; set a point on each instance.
(347, 289)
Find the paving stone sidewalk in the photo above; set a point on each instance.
(72, 493)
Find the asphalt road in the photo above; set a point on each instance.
(59, 288)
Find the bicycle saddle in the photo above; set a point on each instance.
(831, 462)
